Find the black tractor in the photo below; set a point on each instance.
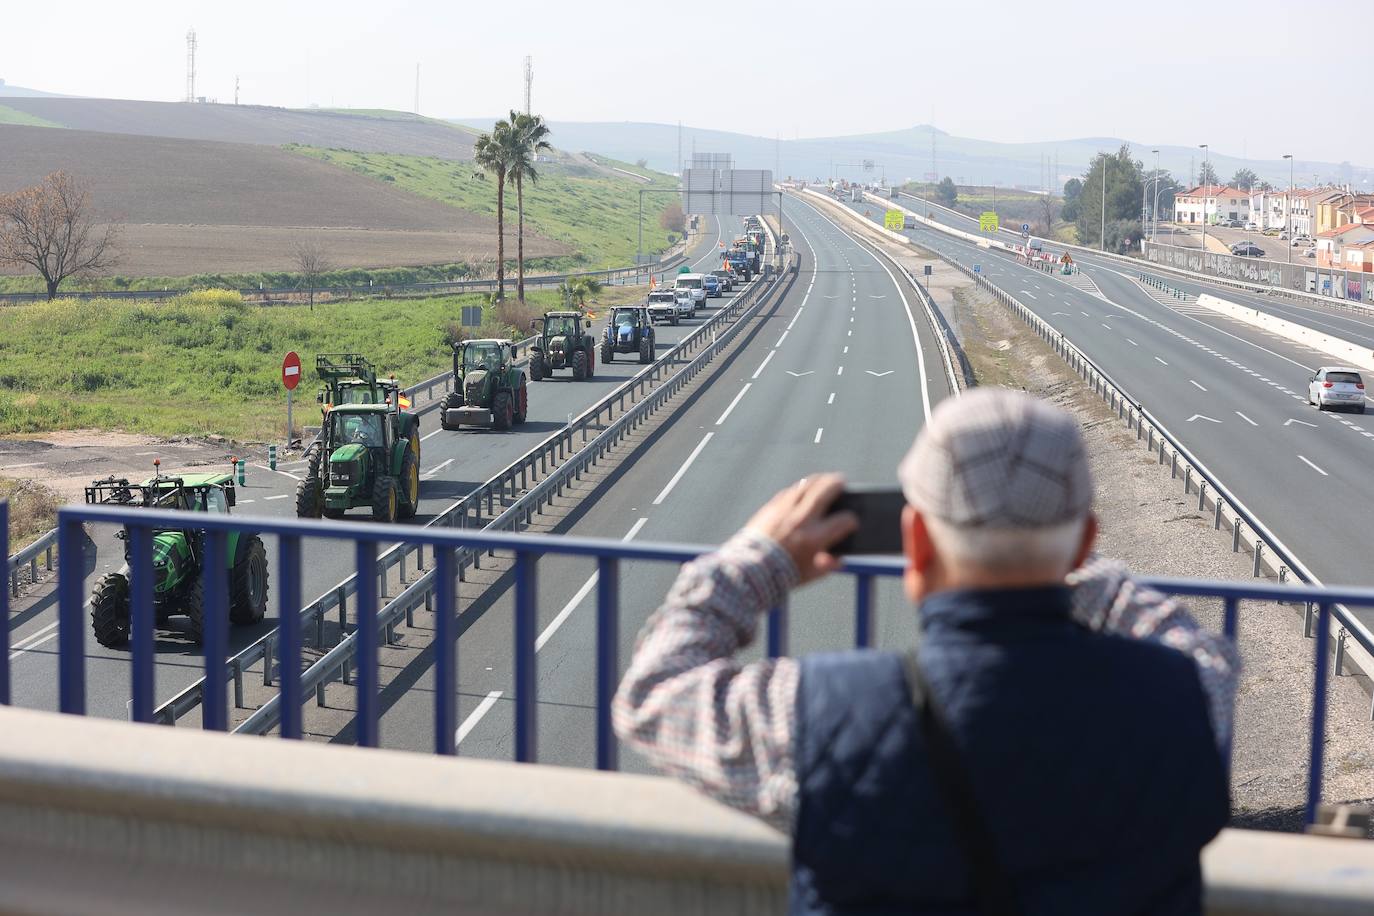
(565, 341)
(630, 330)
(488, 388)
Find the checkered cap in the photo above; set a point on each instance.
(998, 458)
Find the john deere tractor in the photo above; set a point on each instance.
(565, 341)
(630, 330)
(366, 459)
(488, 388)
(349, 378)
(178, 557)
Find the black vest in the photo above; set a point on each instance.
(1092, 757)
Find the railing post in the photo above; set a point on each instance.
(777, 631)
(607, 659)
(289, 632)
(526, 683)
(142, 620)
(445, 653)
(214, 713)
(5, 607)
(366, 635)
(1317, 746)
(863, 611)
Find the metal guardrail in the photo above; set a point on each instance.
(468, 511)
(28, 556)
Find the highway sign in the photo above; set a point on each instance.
(472, 316)
(987, 221)
(1025, 228)
(927, 270)
(977, 268)
(291, 370)
(893, 219)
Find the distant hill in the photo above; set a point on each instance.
(906, 154)
(8, 91)
(368, 132)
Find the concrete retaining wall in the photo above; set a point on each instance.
(1342, 350)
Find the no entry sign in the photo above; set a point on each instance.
(291, 371)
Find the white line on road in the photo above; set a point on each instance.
(1029, 294)
(34, 640)
(1246, 419)
(436, 469)
(1160, 361)
(780, 340)
(582, 593)
(242, 502)
(846, 349)
(278, 496)
(682, 470)
(264, 467)
(734, 402)
(766, 359)
(1132, 342)
(1197, 386)
(1084, 314)
(840, 371)
(476, 715)
(832, 398)
(422, 439)
(1107, 326)
(819, 430)
(1314, 467)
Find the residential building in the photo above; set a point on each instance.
(1358, 257)
(1211, 204)
(1269, 209)
(1304, 211)
(1332, 242)
(1338, 208)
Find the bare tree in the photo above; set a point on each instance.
(1047, 212)
(312, 261)
(50, 227)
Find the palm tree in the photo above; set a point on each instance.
(530, 133)
(492, 152)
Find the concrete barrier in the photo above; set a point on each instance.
(1343, 350)
(108, 817)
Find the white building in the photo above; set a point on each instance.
(1211, 204)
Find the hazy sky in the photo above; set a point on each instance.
(1174, 72)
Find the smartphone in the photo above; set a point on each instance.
(880, 519)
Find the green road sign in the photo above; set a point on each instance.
(892, 219)
(987, 221)
(684, 269)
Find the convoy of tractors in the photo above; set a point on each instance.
(367, 452)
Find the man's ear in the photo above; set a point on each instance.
(918, 551)
(1085, 547)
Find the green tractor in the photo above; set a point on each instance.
(367, 459)
(565, 341)
(178, 557)
(350, 378)
(488, 388)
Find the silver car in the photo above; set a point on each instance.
(1336, 386)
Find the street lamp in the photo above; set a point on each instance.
(1154, 213)
(1206, 171)
(1288, 217)
(1106, 160)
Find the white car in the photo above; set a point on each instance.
(1336, 386)
(695, 286)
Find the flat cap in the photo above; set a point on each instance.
(998, 458)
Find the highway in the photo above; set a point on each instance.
(452, 465)
(1233, 394)
(837, 375)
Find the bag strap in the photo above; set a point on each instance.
(992, 886)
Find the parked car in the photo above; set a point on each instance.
(1283, 236)
(1310, 252)
(1301, 240)
(1245, 250)
(1336, 386)
(1232, 224)
(1270, 232)
(1250, 227)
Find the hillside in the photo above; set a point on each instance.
(208, 207)
(368, 131)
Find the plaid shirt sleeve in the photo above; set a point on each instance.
(694, 711)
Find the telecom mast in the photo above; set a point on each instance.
(529, 82)
(191, 65)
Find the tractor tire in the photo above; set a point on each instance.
(591, 362)
(314, 452)
(409, 502)
(646, 349)
(110, 611)
(607, 353)
(192, 604)
(248, 581)
(454, 399)
(385, 499)
(502, 412)
(309, 497)
(675, 319)
(536, 366)
(415, 441)
(522, 402)
(579, 366)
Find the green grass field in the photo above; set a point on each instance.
(206, 363)
(14, 116)
(594, 213)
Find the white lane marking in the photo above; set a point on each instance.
(1030, 294)
(582, 593)
(1107, 326)
(780, 340)
(242, 502)
(1314, 467)
(264, 467)
(1303, 422)
(840, 371)
(819, 430)
(1246, 419)
(1198, 416)
(682, 470)
(762, 365)
(437, 468)
(1132, 342)
(832, 398)
(846, 349)
(279, 496)
(741, 394)
(476, 715)
(422, 439)
(1197, 386)
(849, 334)
(33, 640)
(1160, 361)
(1084, 314)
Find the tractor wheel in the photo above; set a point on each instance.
(110, 610)
(415, 440)
(248, 583)
(309, 497)
(501, 411)
(591, 362)
(410, 486)
(579, 366)
(384, 499)
(646, 349)
(675, 319)
(522, 402)
(536, 366)
(607, 353)
(454, 399)
(192, 604)
(313, 454)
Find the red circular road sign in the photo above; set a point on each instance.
(291, 371)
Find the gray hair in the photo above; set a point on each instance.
(1049, 549)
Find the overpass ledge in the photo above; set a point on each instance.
(109, 817)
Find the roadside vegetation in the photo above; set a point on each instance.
(33, 510)
(1043, 212)
(581, 206)
(208, 363)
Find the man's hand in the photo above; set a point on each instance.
(796, 519)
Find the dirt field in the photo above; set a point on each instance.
(207, 207)
(396, 133)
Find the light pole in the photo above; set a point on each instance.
(1206, 173)
(1288, 217)
(1154, 211)
(1106, 160)
(1144, 187)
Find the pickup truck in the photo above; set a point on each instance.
(669, 305)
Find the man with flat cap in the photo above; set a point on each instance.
(1053, 745)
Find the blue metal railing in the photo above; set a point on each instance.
(527, 549)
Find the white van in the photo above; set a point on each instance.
(695, 286)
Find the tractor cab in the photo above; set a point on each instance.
(368, 460)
